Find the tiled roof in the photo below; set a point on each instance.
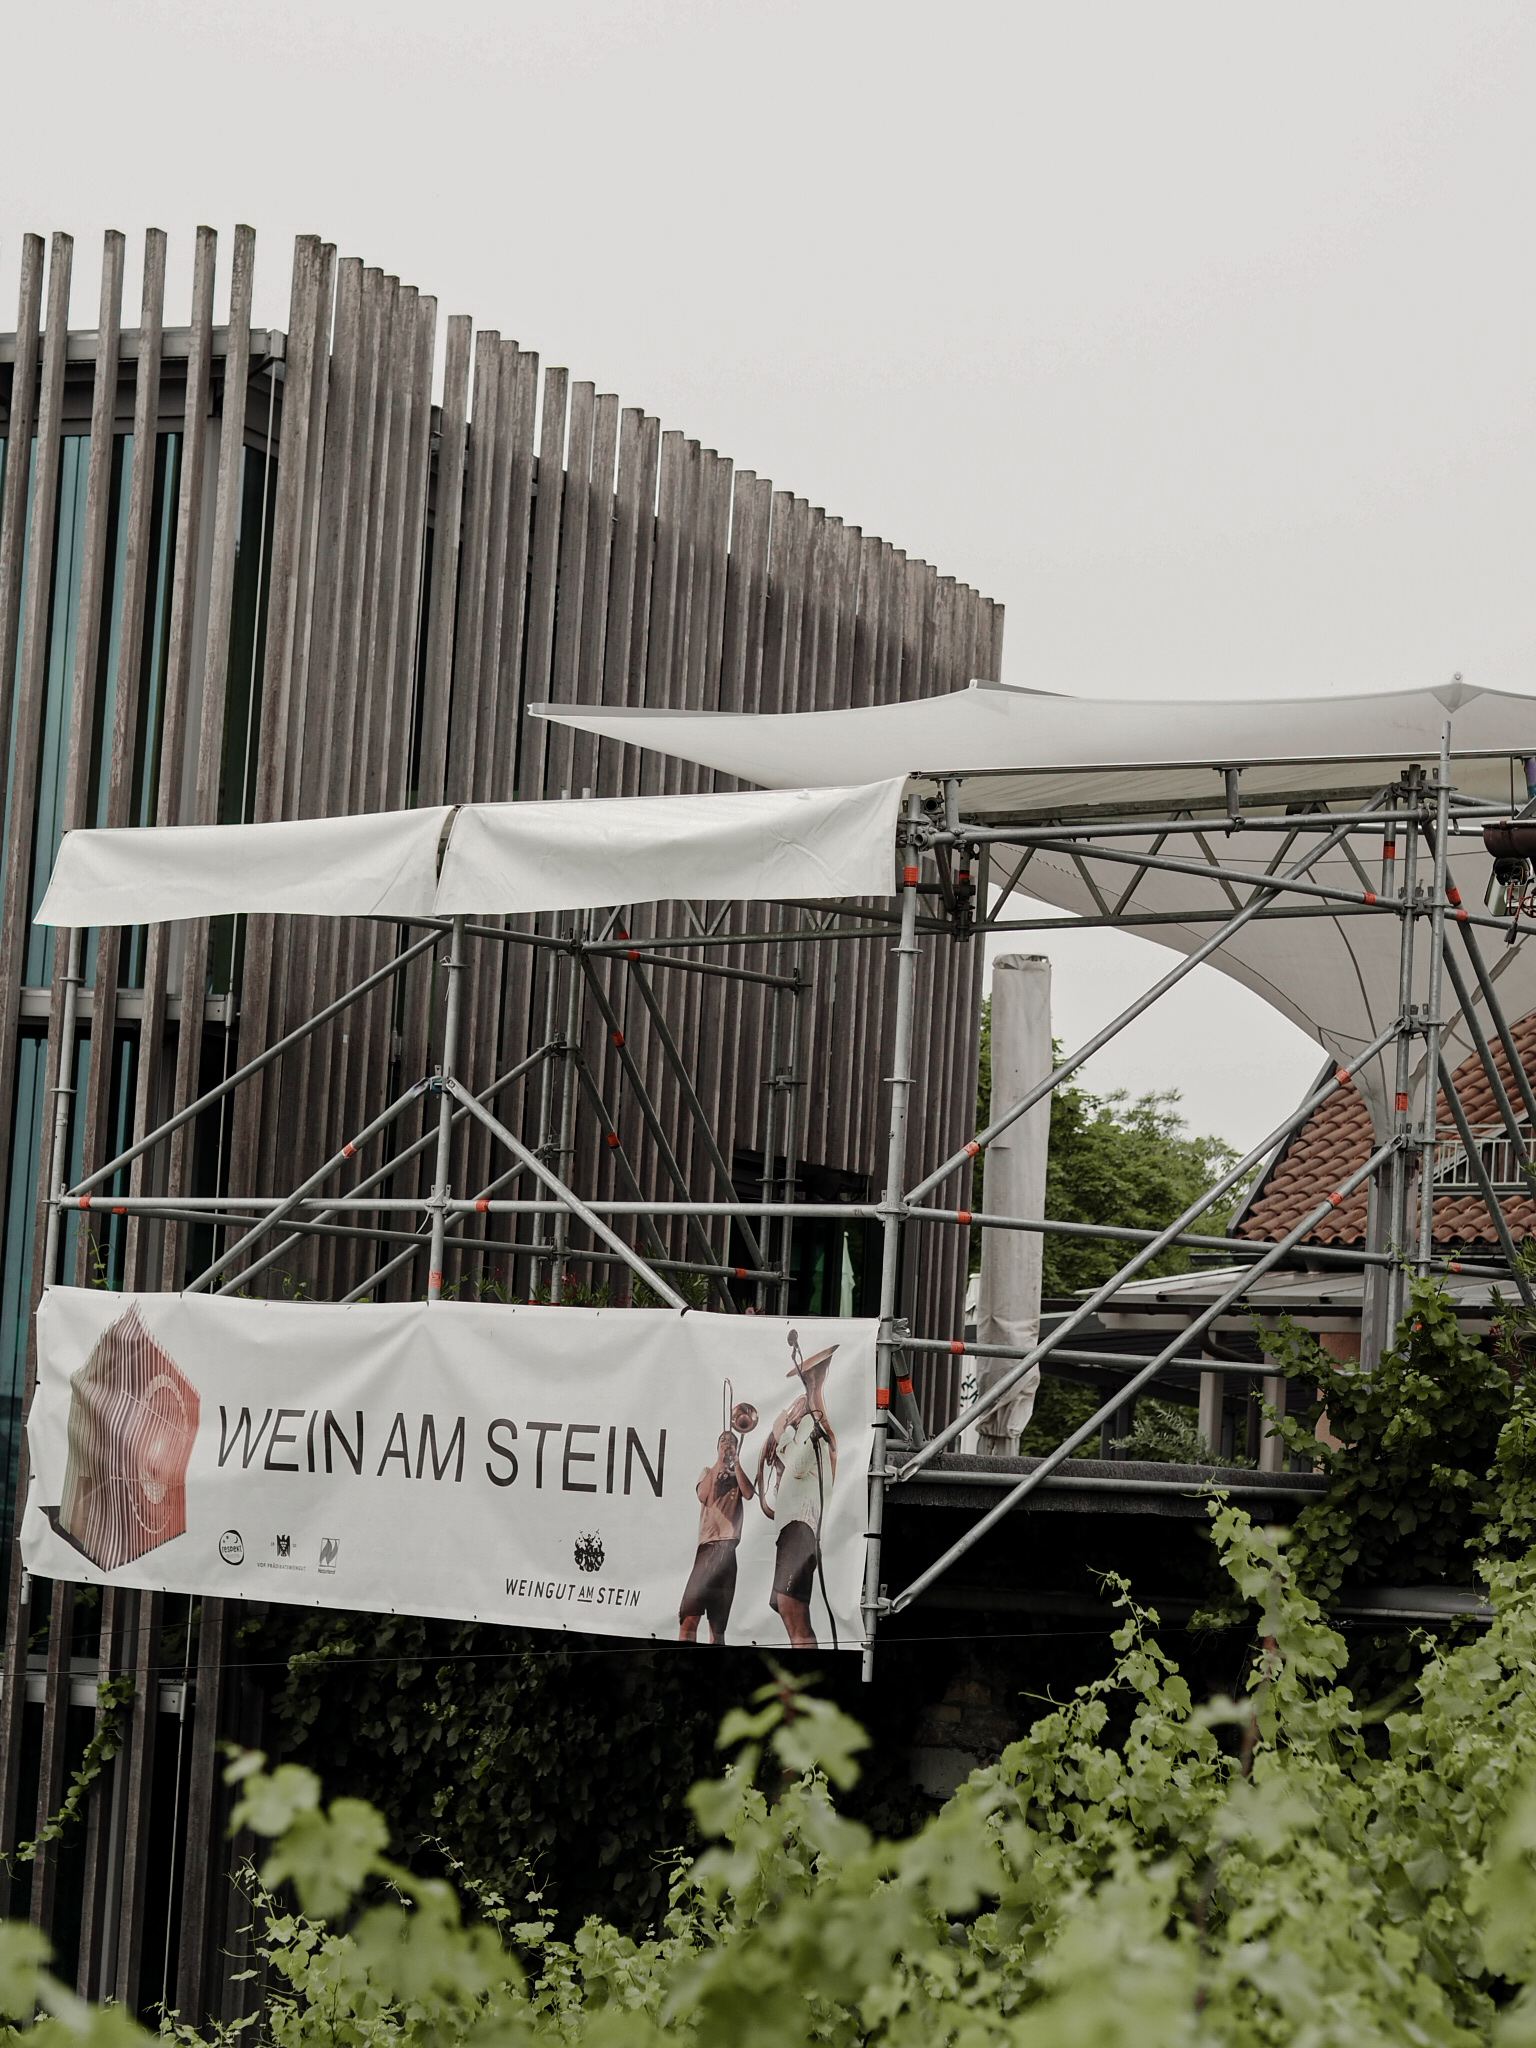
(1336, 1138)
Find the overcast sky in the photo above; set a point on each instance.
(1200, 336)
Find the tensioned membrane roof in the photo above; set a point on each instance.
(1027, 755)
(1031, 751)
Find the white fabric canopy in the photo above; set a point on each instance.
(1024, 753)
(1031, 751)
(1337, 977)
(383, 864)
(500, 858)
(643, 849)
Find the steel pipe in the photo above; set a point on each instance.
(1132, 1387)
(1159, 1243)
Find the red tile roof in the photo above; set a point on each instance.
(1336, 1138)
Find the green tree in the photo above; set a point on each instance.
(1113, 1160)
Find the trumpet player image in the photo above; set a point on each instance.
(723, 1491)
(798, 1465)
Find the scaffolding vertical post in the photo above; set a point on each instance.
(770, 1239)
(567, 1138)
(1397, 1194)
(546, 1093)
(1433, 1022)
(892, 1211)
(63, 1096)
(445, 1074)
(788, 1084)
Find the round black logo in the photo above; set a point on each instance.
(232, 1547)
(589, 1553)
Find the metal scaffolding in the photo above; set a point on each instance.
(948, 899)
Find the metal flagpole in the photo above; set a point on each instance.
(892, 1212)
(446, 1083)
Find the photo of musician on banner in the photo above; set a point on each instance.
(796, 1467)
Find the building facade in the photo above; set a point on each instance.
(247, 574)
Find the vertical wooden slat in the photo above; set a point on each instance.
(333, 1104)
(541, 591)
(29, 711)
(150, 1171)
(315, 748)
(469, 630)
(210, 728)
(591, 1147)
(412, 550)
(197, 1902)
(13, 520)
(120, 743)
(482, 592)
(437, 680)
(297, 477)
(93, 556)
(32, 672)
(50, 1762)
(139, 1759)
(77, 775)
(392, 579)
(19, 431)
(116, 1604)
(711, 993)
(437, 676)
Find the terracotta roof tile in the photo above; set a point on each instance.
(1337, 1138)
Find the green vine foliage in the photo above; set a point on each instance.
(539, 1760)
(112, 1699)
(1436, 1462)
(1136, 1872)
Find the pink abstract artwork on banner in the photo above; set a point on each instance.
(133, 1419)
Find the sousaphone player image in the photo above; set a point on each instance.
(795, 1473)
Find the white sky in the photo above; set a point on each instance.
(1201, 336)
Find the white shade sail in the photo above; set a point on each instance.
(1028, 755)
(1026, 751)
(645, 849)
(1337, 977)
(499, 858)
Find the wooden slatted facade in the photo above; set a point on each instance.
(253, 575)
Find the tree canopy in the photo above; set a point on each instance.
(1113, 1159)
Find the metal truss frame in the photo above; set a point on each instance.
(966, 892)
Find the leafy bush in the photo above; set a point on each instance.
(1436, 1449)
(1135, 1870)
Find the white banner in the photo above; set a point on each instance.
(631, 1472)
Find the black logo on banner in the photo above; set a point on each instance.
(232, 1547)
(284, 1545)
(329, 1549)
(589, 1553)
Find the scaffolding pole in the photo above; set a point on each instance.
(892, 1218)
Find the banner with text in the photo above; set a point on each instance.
(634, 1472)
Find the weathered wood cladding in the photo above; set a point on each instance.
(316, 592)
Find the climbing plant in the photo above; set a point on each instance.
(1434, 1453)
(1252, 1872)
